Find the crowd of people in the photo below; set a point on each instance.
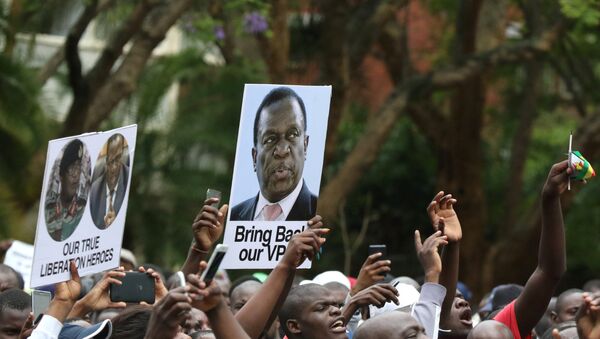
(331, 305)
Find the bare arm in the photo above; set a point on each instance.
(444, 218)
(532, 303)
(207, 228)
(261, 310)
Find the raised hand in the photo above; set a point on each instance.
(428, 255)
(208, 224)
(443, 217)
(372, 271)
(204, 298)
(306, 244)
(68, 291)
(558, 179)
(160, 290)
(376, 295)
(168, 313)
(97, 298)
(588, 317)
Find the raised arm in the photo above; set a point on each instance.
(373, 270)
(532, 303)
(443, 218)
(261, 310)
(207, 228)
(210, 301)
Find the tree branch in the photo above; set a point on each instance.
(369, 144)
(124, 80)
(114, 49)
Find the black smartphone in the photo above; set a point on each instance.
(378, 249)
(214, 263)
(136, 287)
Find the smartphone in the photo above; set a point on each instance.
(40, 300)
(181, 278)
(378, 249)
(213, 263)
(136, 287)
(211, 193)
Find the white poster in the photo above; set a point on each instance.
(277, 173)
(20, 256)
(83, 204)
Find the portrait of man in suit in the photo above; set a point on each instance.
(278, 155)
(108, 188)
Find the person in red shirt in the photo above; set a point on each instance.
(522, 314)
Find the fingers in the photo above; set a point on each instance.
(371, 259)
(120, 304)
(445, 201)
(210, 201)
(555, 334)
(223, 212)
(27, 325)
(418, 244)
(378, 269)
(74, 272)
(316, 222)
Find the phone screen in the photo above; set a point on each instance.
(214, 263)
(40, 300)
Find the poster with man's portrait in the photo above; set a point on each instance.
(83, 204)
(277, 172)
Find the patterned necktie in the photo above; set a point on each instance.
(272, 212)
(111, 207)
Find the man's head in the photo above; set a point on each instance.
(459, 322)
(310, 311)
(490, 329)
(114, 162)
(239, 295)
(567, 305)
(339, 292)
(15, 306)
(280, 143)
(9, 278)
(69, 169)
(592, 286)
(392, 325)
(197, 321)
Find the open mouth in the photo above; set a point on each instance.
(465, 317)
(338, 326)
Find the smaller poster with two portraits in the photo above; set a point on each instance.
(277, 171)
(83, 204)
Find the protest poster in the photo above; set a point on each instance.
(20, 256)
(277, 171)
(83, 204)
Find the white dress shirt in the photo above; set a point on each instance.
(286, 204)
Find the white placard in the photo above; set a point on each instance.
(279, 160)
(20, 257)
(83, 204)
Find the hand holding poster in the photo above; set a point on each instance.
(277, 173)
(82, 214)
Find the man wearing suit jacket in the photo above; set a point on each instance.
(108, 190)
(280, 144)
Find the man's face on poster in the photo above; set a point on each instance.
(280, 148)
(113, 162)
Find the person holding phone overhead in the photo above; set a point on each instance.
(280, 146)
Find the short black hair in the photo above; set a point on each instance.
(295, 302)
(276, 95)
(561, 298)
(132, 322)
(242, 280)
(14, 299)
(73, 152)
(7, 269)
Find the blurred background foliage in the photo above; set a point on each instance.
(182, 152)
